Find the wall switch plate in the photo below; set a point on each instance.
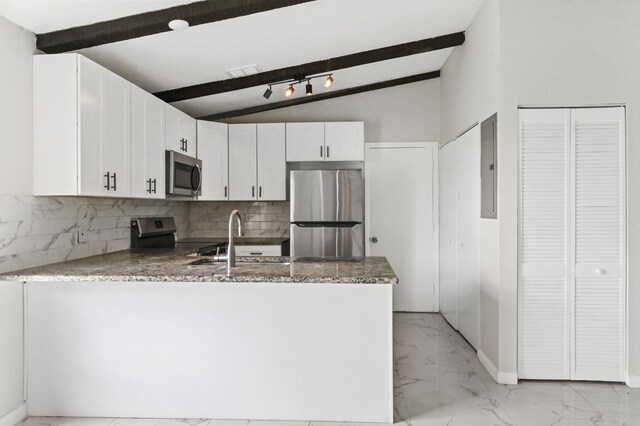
(82, 234)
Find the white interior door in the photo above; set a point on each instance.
(401, 194)
(598, 227)
(468, 234)
(448, 190)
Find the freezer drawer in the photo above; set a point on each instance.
(327, 242)
(326, 196)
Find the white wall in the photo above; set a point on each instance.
(470, 93)
(16, 48)
(565, 53)
(408, 113)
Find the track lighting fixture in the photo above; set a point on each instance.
(328, 82)
(268, 93)
(289, 92)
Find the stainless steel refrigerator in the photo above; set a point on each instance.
(327, 209)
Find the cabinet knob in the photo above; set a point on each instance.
(600, 271)
(374, 240)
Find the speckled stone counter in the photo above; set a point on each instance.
(174, 265)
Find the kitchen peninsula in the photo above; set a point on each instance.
(158, 333)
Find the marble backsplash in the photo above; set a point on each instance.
(261, 219)
(36, 231)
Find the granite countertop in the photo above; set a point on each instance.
(174, 265)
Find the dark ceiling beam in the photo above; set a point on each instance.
(321, 97)
(144, 24)
(317, 67)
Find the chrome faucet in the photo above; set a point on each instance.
(231, 249)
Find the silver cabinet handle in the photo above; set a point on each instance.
(253, 191)
(374, 240)
(255, 253)
(114, 187)
(260, 191)
(321, 150)
(328, 153)
(149, 186)
(155, 182)
(108, 185)
(225, 191)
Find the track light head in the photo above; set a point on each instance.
(268, 93)
(309, 88)
(289, 92)
(328, 82)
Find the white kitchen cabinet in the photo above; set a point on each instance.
(272, 167)
(180, 132)
(81, 128)
(305, 141)
(460, 234)
(336, 141)
(258, 250)
(243, 165)
(572, 244)
(344, 141)
(213, 150)
(147, 145)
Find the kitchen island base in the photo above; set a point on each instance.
(270, 351)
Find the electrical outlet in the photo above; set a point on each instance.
(82, 234)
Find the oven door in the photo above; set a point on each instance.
(184, 175)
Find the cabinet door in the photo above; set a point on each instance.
(147, 145)
(305, 141)
(272, 165)
(242, 162)
(117, 149)
(189, 133)
(173, 129)
(213, 151)
(344, 141)
(92, 119)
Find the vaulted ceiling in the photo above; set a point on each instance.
(273, 39)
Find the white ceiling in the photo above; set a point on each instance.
(279, 38)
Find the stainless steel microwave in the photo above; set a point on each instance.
(184, 175)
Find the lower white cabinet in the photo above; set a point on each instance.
(257, 164)
(81, 143)
(147, 145)
(459, 187)
(572, 246)
(213, 150)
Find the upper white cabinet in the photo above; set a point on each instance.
(180, 132)
(147, 145)
(305, 141)
(81, 128)
(213, 150)
(243, 165)
(339, 141)
(344, 141)
(272, 167)
(257, 165)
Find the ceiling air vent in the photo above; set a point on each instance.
(243, 71)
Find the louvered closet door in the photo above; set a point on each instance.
(543, 251)
(598, 235)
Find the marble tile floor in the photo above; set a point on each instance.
(438, 380)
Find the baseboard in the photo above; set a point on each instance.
(488, 365)
(633, 381)
(14, 417)
(499, 376)
(507, 378)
